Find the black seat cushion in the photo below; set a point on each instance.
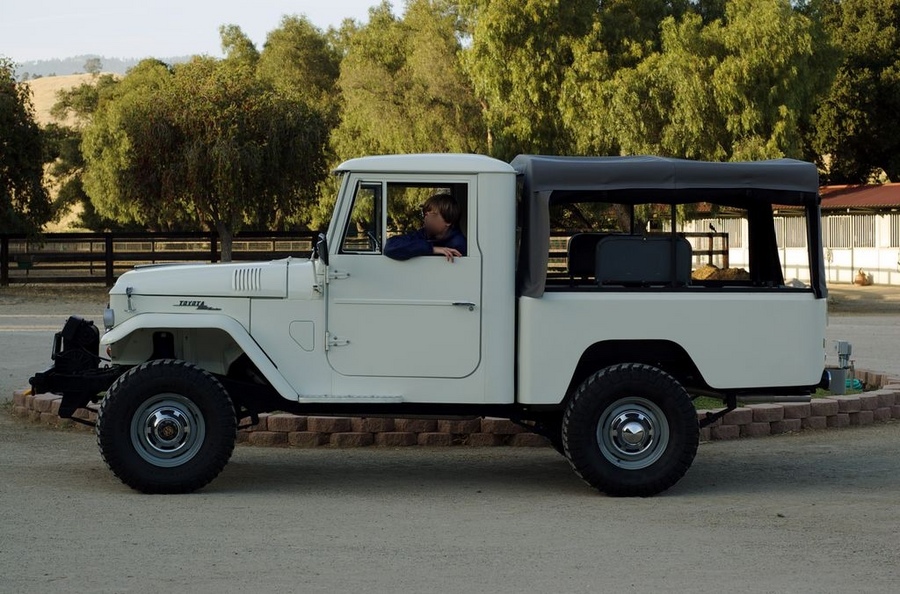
(636, 260)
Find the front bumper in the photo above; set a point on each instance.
(76, 373)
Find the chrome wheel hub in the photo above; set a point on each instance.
(632, 433)
(167, 430)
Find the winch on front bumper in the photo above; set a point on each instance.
(76, 373)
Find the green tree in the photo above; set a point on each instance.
(73, 110)
(62, 145)
(237, 46)
(301, 60)
(24, 202)
(206, 142)
(403, 88)
(741, 87)
(107, 148)
(93, 66)
(629, 30)
(517, 60)
(769, 77)
(857, 123)
(82, 100)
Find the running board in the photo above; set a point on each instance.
(350, 400)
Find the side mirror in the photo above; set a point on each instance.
(321, 249)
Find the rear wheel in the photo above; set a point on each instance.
(630, 430)
(166, 427)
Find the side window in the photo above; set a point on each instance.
(363, 233)
(406, 200)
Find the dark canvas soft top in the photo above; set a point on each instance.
(544, 173)
(644, 179)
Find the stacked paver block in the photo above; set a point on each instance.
(880, 404)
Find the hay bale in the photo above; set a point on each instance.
(710, 272)
(705, 272)
(733, 274)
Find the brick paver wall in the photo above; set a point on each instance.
(881, 403)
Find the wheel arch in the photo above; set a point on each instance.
(665, 355)
(220, 342)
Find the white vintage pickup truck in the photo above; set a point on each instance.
(576, 311)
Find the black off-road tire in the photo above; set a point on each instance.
(630, 430)
(166, 426)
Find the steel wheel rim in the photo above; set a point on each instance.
(168, 430)
(632, 433)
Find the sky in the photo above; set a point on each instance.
(46, 29)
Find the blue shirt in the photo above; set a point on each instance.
(404, 247)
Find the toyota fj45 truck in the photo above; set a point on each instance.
(574, 312)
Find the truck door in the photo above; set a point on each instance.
(415, 318)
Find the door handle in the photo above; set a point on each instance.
(468, 304)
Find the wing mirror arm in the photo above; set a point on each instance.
(321, 249)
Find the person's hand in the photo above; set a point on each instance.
(448, 253)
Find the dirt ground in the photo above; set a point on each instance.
(814, 512)
(856, 300)
(53, 299)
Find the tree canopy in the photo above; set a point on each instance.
(206, 142)
(403, 86)
(24, 201)
(246, 140)
(857, 123)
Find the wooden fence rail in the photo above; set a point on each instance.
(101, 257)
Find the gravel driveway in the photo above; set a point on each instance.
(815, 512)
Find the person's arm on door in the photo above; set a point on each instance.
(439, 236)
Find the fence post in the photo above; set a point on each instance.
(4, 261)
(108, 253)
(727, 252)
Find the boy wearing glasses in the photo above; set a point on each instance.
(439, 235)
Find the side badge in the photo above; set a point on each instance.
(197, 304)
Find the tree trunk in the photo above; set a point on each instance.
(226, 239)
(623, 217)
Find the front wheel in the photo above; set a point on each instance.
(630, 430)
(166, 427)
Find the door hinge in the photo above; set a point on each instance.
(337, 275)
(334, 341)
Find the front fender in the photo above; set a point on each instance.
(221, 322)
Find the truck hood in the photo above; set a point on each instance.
(246, 279)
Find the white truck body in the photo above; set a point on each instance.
(605, 368)
(361, 332)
